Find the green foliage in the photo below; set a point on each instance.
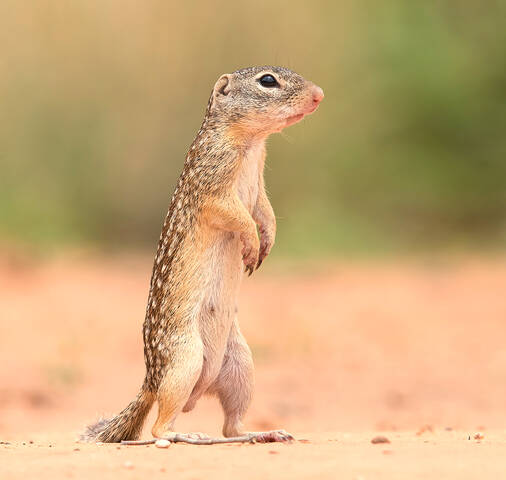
(100, 101)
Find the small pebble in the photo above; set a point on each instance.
(77, 449)
(162, 443)
(380, 439)
(273, 452)
(479, 436)
(99, 444)
(128, 464)
(425, 428)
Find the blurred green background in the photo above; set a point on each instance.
(101, 99)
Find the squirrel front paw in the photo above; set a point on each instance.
(250, 252)
(267, 237)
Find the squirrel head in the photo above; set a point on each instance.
(258, 101)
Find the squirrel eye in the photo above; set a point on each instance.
(268, 81)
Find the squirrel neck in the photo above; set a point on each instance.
(217, 134)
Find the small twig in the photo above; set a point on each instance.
(178, 438)
(252, 437)
(138, 442)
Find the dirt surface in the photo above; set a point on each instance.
(411, 351)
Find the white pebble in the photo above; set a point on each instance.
(162, 443)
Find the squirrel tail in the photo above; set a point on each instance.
(127, 425)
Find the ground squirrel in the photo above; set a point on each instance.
(192, 341)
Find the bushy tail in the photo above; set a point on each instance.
(127, 425)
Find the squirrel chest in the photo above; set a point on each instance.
(248, 175)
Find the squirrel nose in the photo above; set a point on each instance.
(317, 94)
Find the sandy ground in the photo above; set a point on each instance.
(413, 351)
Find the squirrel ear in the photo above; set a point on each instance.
(222, 86)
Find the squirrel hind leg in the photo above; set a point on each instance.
(176, 387)
(234, 384)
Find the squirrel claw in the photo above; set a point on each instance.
(259, 263)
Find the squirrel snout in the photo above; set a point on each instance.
(317, 94)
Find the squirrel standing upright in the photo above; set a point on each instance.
(192, 341)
